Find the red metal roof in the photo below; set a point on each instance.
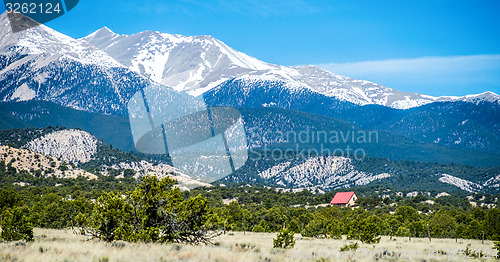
(342, 198)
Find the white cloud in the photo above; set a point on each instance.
(264, 8)
(451, 75)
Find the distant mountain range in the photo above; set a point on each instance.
(50, 79)
(198, 64)
(100, 72)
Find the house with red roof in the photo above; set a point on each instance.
(344, 199)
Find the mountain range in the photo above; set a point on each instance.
(106, 68)
(48, 78)
(198, 64)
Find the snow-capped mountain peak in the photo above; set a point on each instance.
(101, 37)
(198, 64)
(101, 33)
(195, 64)
(40, 63)
(182, 62)
(486, 96)
(42, 40)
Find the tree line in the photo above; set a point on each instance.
(155, 210)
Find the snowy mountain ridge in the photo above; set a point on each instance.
(197, 64)
(181, 62)
(100, 72)
(44, 40)
(42, 64)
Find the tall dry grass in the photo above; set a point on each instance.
(63, 245)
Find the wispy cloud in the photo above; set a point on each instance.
(264, 8)
(269, 7)
(449, 75)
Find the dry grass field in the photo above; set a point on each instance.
(63, 245)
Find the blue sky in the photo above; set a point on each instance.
(436, 47)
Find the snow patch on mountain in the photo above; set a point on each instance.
(268, 79)
(486, 96)
(70, 145)
(23, 93)
(460, 183)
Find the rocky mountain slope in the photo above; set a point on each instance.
(24, 160)
(471, 126)
(68, 153)
(329, 172)
(113, 130)
(269, 127)
(144, 167)
(293, 170)
(333, 172)
(69, 145)
(298, 131)
(463, 184)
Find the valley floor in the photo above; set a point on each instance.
(64, 245)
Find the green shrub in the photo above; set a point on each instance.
(16, 226)
(63, 167)
(349, 247)
(294, 225)
(284, 239)
(258, 228)
(323, 226)
(154, 212)
(470, 252)
(103, 259)
(322, 229)
(367, 231)
(402, 232)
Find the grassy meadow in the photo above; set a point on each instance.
(64, 245)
